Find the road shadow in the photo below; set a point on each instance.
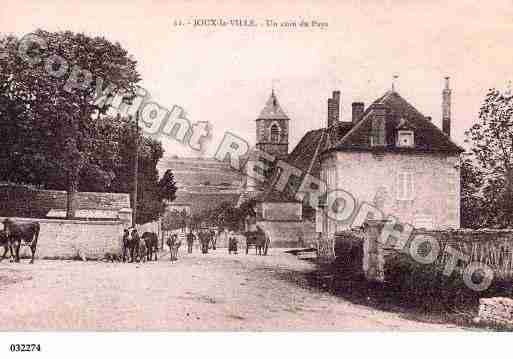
(346, 280)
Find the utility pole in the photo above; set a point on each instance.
(136, 170)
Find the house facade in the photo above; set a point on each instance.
(394, 159)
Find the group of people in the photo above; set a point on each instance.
(207, 239)
(143, 248)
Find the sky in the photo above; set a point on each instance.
(224, 75)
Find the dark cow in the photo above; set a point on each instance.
(151, 241)
(22, 233)
(134, 244)
(173, 244)
(143, 251)
(4, 242)
(204, 238)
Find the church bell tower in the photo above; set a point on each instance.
(272, 129)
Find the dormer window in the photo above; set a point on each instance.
(378, 132)
(405, 138)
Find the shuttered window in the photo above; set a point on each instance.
(405, 186)
(275, 134)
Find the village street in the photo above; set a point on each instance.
(211, 292)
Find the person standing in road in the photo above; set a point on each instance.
(190, 241)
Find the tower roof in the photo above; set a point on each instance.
(272, 110)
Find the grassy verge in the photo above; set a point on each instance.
(415, 291)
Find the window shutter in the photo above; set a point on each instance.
(411, 184)
(405, 186)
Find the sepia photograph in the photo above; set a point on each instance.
(234, 168)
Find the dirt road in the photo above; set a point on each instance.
(212, 292)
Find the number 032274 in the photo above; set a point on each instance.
(25, 347)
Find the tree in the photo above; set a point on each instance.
(167, 186)
(472, 202)
(63, 124)
(492, 150)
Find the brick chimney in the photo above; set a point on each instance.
(334, 109)
(446, 108)
(358, 108)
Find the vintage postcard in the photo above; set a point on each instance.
(255, 166)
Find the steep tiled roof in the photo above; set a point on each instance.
(272, 110)
(306, 155)
(428, 137)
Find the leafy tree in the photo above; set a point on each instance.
(175, 220)
(167, 186)
(63, 124)
(472, 202)
(492, 149)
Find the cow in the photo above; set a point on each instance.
(143, 251)
(151, 241)
(22, 233)
(173, 244)
(4, 242)
(134, 244)
(204, 238)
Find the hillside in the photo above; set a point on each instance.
(203, 183)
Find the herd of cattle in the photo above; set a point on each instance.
(135, 247)
(15, 234)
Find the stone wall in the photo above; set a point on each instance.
(290, 234)
(496, 311)
(65, 239)
(326, 247)
(493, 248)
(282, 211)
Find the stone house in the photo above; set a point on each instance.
(393, 158)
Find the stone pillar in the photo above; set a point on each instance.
(325, 247)
(373, 255)
(125, 216)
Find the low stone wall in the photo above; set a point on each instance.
(496, 311)
(493, 248)
(283, 234)
(325, 248)
(290, 234)
(70, 238)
